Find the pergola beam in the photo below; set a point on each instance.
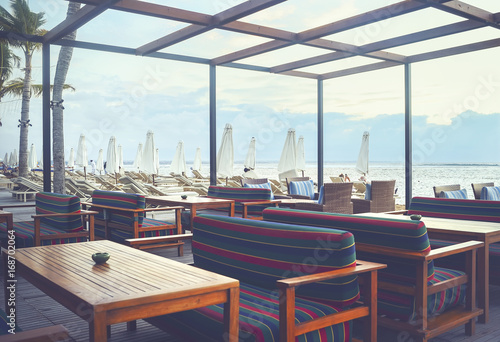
(80, 18)
(224, 17)
(464, 10)
(359, 69)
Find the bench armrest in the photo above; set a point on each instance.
(368, 311)
(454, 249)
(81, 213)
(247, 204)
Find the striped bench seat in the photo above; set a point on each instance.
(122, 216)
(461, 209)
(249, 202)
(67, 227)
(404, 246)
(262, 255)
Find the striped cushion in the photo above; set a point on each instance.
(396, 305)
(119, 200)
(6, 326)
(259, 319)
(305, 188)
(464, 209)
(260, 186)
(120, 236)
(321, 196)
(242, 195)
(368, 191)
(25, 234)
(398, 234)
(51, 203)
(490, 193)
(460, 194)
(458, 261)
(260, 253)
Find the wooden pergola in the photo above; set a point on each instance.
(231, 20)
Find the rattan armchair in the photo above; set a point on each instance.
(298, 179)
(276, 191)
(337, 199)
(477, 187)
(382, 198)
(438, 188)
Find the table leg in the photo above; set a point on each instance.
(483, 282)
(97, 328)
(231, 315)
(231, 210)
(193, 214)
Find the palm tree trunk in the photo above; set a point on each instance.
(25, 116)
(63, 62)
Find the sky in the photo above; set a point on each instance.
(455, 100)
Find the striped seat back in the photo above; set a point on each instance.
(399, 234)
(119, 200)
(463, 209)
(260, 253)
(242, 195)
(51, 203)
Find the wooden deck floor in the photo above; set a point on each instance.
(35, 309)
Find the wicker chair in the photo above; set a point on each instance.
(337, 199)
(276, 191)
(298, 179)
(439, 188)
(477, 187)
(382, 198)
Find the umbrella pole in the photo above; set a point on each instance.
(85, 172)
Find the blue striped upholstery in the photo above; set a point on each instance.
(394, 233)
(258, 254)
(119, 200)
(260, 186)
(52, 203)
(368, 191)
(321, 196)
(119, 235)
(305, 188)
(490, 193)
(259, 319)
(25, 234)
(459, 194)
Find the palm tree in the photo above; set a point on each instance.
(8, 60)
(63, 62)
(23, 21)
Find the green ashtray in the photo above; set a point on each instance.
(100, 258)
(184, 196)
(415, 217)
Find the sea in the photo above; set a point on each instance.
(425, 176)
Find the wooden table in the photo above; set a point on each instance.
(133, 284)
(291, 202)
(192, 203)
(463, 230)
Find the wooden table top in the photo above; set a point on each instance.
(129, 277)
(464, 226)
(189, 200)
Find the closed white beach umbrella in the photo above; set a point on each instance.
(362, 164)
(40, 163)
(178, 165)
(300, 160)
(225, 156)
(138, 158)
(119, 152)
(197, 159)
(111, 156)
(157, 160)
(148, 154)
(288, 155)
(32, 160)
(13, 158)
(81, 152)
(71, 160)
(6, 158)
(250, 158)
(99, 165)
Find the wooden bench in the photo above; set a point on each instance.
(295, 281)
(122, 216)
(413, 295)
